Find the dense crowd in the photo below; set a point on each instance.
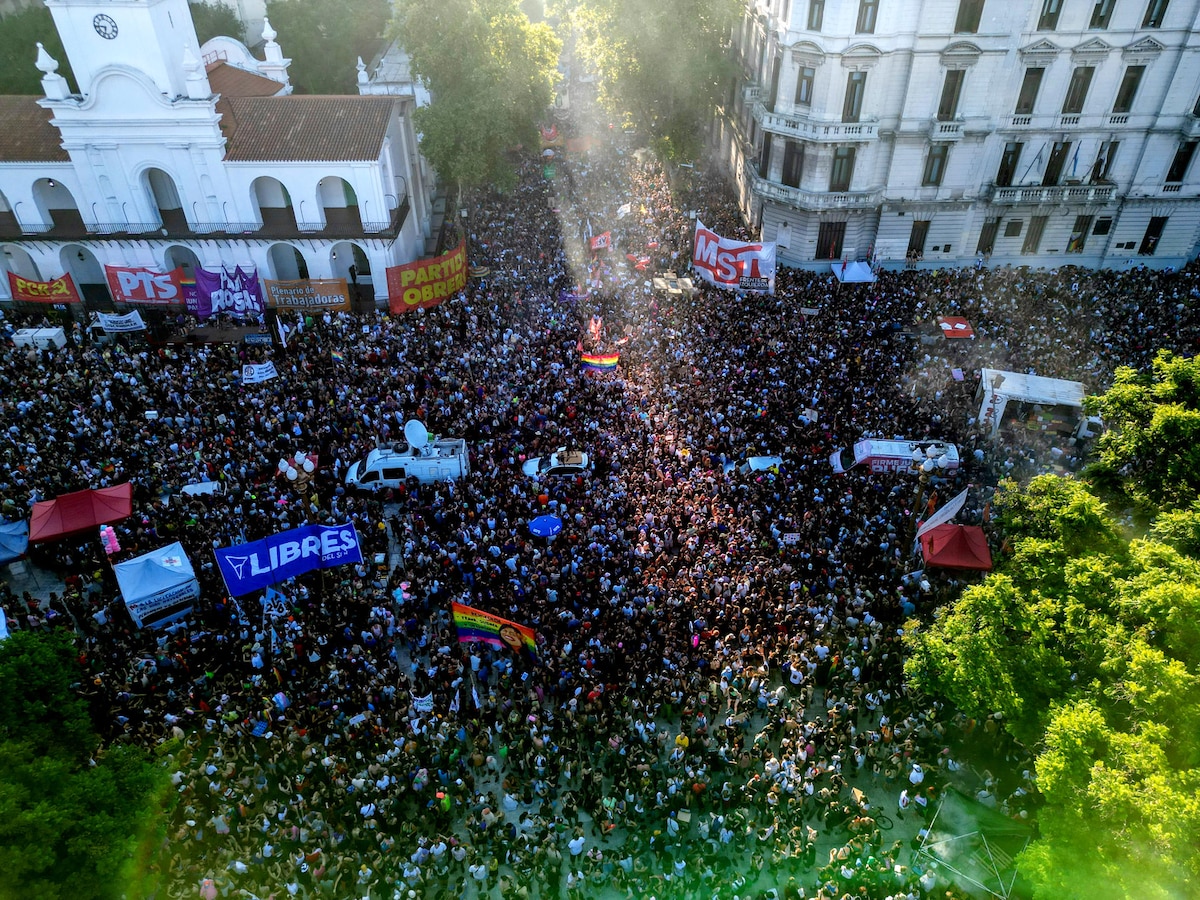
(717, 705)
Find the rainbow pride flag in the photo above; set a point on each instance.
(599, 362)
(338, 355)
(475, 625)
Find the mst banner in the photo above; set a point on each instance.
(149, 287)
(60, 290)
(733, 265)
(260, 564)
(427, 282)
(309, 294)
(236, 292)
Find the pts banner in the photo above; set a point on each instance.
(733, 265)
(427, 282)
(147, 287)
(260, 564)
(60, 290)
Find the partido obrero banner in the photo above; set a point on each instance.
(427, 282)
(733, 265)
(309, 294)
(260, 564)
(60, 290)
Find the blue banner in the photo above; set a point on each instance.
(259, 564)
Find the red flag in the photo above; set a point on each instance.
(602, 241)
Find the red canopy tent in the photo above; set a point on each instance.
(73, 513)
(956, 547)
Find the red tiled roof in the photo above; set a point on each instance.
(26, 134)
(325, 129)
(230, 81)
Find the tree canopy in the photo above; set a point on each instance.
(1150, 448)
(324, 39)
(663, 66)
(20, 33)
(213, 19)
(1088, 645)
(75, 823)
(490, 72)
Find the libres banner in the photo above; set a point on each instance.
(309, 294)
(60, 290)
(260, 564)
(149, 287)
(734, 265)
(235, 292)
(427, 282)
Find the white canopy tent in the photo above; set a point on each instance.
(158, 587)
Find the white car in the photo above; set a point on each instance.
(561, 462)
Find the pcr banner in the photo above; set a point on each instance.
(427, 282)
(60, 290)
(733, 265)
(260, 564)
(121, 324)
(149, 287)
(309, 294)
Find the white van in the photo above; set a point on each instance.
(387, 466)
(893, 456)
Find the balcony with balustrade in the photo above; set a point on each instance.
(1032, 195)
(812, 201)
(811, 128)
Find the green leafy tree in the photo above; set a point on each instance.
(213, 19)
(1150, 448)
(37, 705)
(1088, 643)
(20, 33)
(324, 39)
(490, 72)
(663, 66)
(75, 823)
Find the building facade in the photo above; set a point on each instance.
(167, 154)
(1031, 132)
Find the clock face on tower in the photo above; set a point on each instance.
(105, 26)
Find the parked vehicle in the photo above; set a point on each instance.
(894, 456)
(560, 462)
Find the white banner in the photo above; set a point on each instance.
(423, 704)
(119, 324)
(255, 373)
(945, 514)
(733, 265)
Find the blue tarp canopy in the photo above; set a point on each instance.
(14, 540)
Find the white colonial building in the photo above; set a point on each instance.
(1038, 132)
(168, 154)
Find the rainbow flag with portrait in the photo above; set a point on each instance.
(476, 626)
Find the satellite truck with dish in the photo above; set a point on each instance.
(425, 459)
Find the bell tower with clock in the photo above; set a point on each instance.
(151, 36)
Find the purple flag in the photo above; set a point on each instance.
(235, 292)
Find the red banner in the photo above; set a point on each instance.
(427, 282)
(60, 290)
(145, 287)
(602, 241)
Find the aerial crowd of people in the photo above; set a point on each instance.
(717, 705)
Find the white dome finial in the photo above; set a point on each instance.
(363, 78)
(268, 33)
(46, 64)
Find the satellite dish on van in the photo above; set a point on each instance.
(416, 433)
